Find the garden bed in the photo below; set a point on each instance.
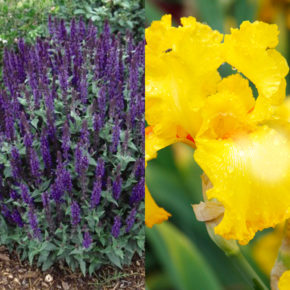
(15, 274)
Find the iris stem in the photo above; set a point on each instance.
(230, 247)
(241, 263)
(282, 263)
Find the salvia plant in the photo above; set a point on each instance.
(72, 148)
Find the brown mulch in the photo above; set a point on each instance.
(15, 274)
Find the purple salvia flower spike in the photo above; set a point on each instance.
(45, 150)
(66, 140)
(14, 195)
(25, 194)
(117, 184)
(75, 213)
(138, 192)
(85, 134)
(17, 218)
(116, 227)
(115, 137)
(34, 224)
(100, 169)
(96, 193)
(15, 163)
(131, 220)
(34, 165)
(87, 241)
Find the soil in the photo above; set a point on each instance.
(15, 275)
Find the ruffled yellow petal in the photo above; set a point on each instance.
(153, 213)
(283, 111)
(153, 143)
(266, 249)
(227, 112)
(250, 174)
(181, 71)
(250, 50)
(284, 282)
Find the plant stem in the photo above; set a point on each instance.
(282, 263)
(230, 247)
(247, 271)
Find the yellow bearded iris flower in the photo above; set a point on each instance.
(242, 143)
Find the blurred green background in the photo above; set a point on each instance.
(179, 253)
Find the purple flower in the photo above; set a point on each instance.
(102, 100)
(63, 78)
(138, 191)
(15, 163)
(17, 218)
(44, 146)
(82, 28)
(73, 32)
(6, 212)
(14, 195)
(84, 163)
(66, 180)
(87, 241)
(28, 140)
(97, 123)
(84, 87)
(117, 184)
(34, 165)
(78, 159)
(96, 193)
(100, 169)
(85, 133)
(34, 224)
(62, 30)
(116, 227)
(47, 210)
(65, 140)
(63, 182)
(9, 126)
(45, 200)
(139, 168)
(126, 141)
(25, 194)
(75, 213)
(50, 25)
(115, 137)
(131, 220)
(57, 191)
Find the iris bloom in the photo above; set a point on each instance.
(242, 143)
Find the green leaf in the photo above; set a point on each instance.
(181, 259)
(47, 264)
(210, 12)
(79, 11)
(245, 10)
(22, 101)
(83, 267)
(152, 12)
(114, 259)
(31, 255)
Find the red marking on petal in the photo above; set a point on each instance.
(189, 137)
(251, 110)
(148, 130)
